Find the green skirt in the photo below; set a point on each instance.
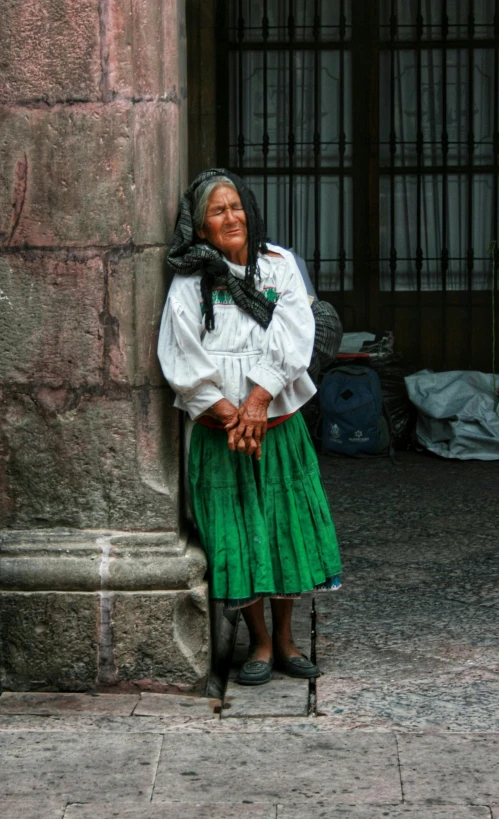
(265, 525)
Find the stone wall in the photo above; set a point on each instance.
(93, 157)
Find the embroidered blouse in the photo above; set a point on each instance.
(203, 367)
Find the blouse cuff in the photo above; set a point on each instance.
(269, 379)
(202, 400)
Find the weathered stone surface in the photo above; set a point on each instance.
(131, 153)
(411, 640)
(159, 169)
(159, 436)
(58, 560)
(174, 705)
(48, 158)
(50, 51)
(49, 640)
(50, 325)
(455, 702)
(146, 45)
(466, 771)
(87, 437)
(161, 636)
(233, 810)
(74, 766)
(419, 500)
(282, 696)
(71, 641)
(95, 723)
(326, 810)
(33, 808)
(47, 704)
(80, 468)
(360, 768)
(137, 292)
(149, 568)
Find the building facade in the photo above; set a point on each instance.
(369, 130)
(99, 584)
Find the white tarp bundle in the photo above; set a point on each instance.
(457, 413)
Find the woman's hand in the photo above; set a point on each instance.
(250, 432)
(225, 412)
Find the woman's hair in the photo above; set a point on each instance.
(202, 195)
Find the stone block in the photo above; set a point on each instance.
(66, 175)
(331, 810)
(78, 766)
(49, 640)
(360, 768)
(50, 326)
(160, 148)
(81, 467)
(161, 636)
(449, 769)
(174, 705)
(64, 560)
(33, 808)
(62, 704)
(146, 46)
(281, 697)
(158, 453)
(232, 810)
(78, 609)
(137, 292)
(50, 51)
(89, 175)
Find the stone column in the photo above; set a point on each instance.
(98, 584)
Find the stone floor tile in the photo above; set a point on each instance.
(85, 723)
(455, 704)
(418, 622)
(174, 705)
(450, 768)
(174, 810)
(400, 547)
(360, 767)
(348, 658)
(13, 702)
(78, 767)
(32, 809)
(281, 697)
(330, 811)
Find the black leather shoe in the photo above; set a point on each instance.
(297, 667)
(255, 672)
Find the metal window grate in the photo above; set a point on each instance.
(289, 70)
(372, 143)
(438, 143)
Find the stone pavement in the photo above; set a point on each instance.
(404, 721)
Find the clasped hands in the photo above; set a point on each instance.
(246, 426)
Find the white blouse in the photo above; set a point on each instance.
(203, 367)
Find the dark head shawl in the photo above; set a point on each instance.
(189, 254)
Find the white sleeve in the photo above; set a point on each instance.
(189, 370)
(289, 338)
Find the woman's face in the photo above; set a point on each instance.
(225, 224)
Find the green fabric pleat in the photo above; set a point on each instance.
(265, 525)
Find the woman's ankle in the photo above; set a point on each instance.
(285, 645)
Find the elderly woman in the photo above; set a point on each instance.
(235, 342)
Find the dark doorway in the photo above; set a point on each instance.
(369, 132)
